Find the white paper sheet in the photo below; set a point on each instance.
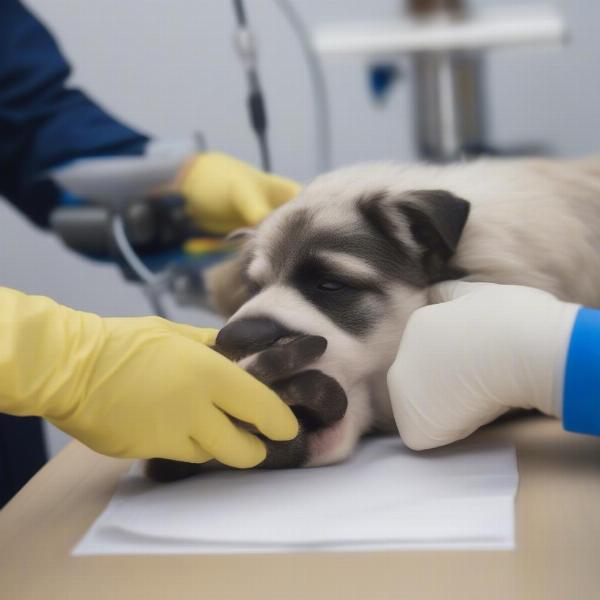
(384, 497)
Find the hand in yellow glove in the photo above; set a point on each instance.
(223, 193)
(136, 387)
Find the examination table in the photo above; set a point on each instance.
(557, 554)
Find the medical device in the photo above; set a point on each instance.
(123, 216)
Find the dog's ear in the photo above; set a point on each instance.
(426, 222)
(436, 219)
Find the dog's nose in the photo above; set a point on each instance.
(246, 336)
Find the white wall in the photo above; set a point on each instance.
(168, 67)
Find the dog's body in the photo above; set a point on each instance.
(354, 254)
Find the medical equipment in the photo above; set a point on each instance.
(124, 216)
(246, 46)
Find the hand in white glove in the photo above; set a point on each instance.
(487, 348)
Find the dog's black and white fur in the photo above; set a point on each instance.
(353, 256)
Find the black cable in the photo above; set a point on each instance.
(257, 111)
(258, 118)
(240, 13)
(265, 153)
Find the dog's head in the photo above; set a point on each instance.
(349, 260)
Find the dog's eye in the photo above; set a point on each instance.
(330, 285)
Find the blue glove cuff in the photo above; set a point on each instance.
(581, 393)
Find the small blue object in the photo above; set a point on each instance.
(381, 78)
(581, 397)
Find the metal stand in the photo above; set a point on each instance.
(446, 41)
(447, 91)
(448, 105)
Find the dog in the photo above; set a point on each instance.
(354, 254)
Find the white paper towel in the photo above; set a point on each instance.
(384, 497)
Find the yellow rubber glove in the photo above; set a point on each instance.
(223, 193)
(133, 387)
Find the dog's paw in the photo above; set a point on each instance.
(317, 400)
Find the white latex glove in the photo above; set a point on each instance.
(487, 348)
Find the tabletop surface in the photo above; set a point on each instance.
(557, 554)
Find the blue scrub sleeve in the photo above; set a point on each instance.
(581, 394)
(43, 122)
